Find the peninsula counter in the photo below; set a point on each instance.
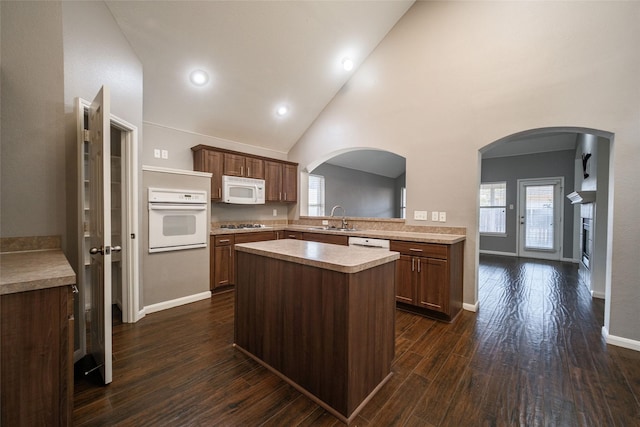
(320, 316)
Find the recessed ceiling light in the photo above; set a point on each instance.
(282, 110)
(347, 64)
(199, 78)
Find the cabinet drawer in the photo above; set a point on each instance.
(326, 238)
(256, 236)
(224, 240)
(430, 250)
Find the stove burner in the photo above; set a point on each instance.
(241, 226)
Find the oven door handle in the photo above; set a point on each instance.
(185, 207)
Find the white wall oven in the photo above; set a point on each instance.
(178, 219)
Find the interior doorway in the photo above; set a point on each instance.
(124, 219)
(593, 176)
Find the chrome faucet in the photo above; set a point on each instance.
(344, 215)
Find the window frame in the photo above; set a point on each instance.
(493, 233)
(313, 207)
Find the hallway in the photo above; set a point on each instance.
(532, 355)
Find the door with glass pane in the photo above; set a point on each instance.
(540, 218)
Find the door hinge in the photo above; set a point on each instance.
(86, 135)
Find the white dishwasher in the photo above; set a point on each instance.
(367, 242)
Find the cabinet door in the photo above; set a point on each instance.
(255, 168)
(289, 183)
(432, 284)
(223, 261)
(273, 181)
(212, 162)
(405, 289)
(234, 164)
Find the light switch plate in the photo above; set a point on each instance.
(325, 222)
(275, 212)
(443, 217)
(434, 216)
(420, 215)
(165, 154)
(156, 153)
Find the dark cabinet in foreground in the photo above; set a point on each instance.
(429, 278)
(37, 357)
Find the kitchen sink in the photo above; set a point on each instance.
(331, 228)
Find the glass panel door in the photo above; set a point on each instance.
(540, 215)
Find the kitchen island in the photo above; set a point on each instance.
(320, 316)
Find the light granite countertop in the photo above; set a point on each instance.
(33, 270)
(409, 236)
(344, 259)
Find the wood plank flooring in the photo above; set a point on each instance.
(533, 355)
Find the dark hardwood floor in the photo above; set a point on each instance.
(533, 355)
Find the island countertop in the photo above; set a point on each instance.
(344, 259)
(33, 270)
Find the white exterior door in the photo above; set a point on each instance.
(540, 217)
(100, 231)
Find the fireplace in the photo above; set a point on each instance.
(586, 243)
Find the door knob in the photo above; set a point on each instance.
(94, 251)
(116, 248)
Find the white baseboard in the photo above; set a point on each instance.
(573, 260)
(596, 294)
(471, 307)
(620, 341)
(176, 302)
(498, 253)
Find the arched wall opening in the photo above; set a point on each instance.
(592, 177)
(366, 182)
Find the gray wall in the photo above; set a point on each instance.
(541, 165)
(361, 194)
(33, 146)
(175, 274)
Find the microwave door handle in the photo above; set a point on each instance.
(255, 198)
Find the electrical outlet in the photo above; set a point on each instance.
(325, 222)
(420, 215)
(275, 212)
(156, 153)
(165, 154)
(434, 216)
(443, 217)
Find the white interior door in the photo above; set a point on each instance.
(100, 231)
(540, 216)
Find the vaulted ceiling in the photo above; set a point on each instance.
(259, 55)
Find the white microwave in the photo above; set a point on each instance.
(242, 191)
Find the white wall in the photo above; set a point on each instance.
(452, 77)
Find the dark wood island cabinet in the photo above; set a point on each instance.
(321, 316)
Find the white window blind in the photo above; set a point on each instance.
(316, 195)
(493, 208)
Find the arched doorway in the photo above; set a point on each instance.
(582, 157)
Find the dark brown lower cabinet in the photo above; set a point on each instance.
(429, 278)
(222, 265)
(37, 357)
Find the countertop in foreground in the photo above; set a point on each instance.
(343, 259)
(33, 270)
